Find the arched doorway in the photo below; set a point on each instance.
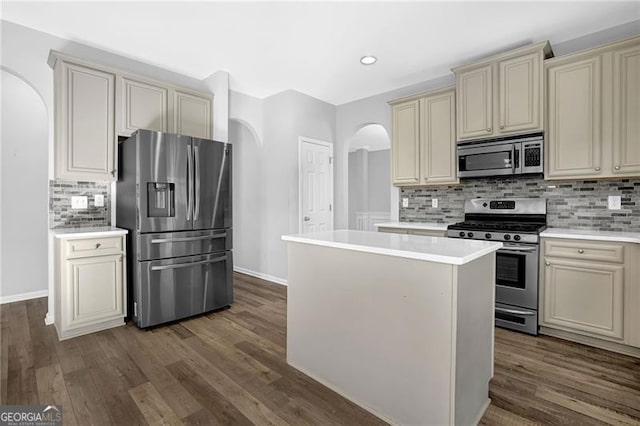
(369, 177)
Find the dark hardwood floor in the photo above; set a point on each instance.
(229, 367)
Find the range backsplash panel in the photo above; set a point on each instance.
(62, 215)
(571, 204)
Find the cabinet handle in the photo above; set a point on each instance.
(617, 167)
(488, 129)
(502, 126)
(547, 263)
(580, 251)
(597, 169)
(98, 245)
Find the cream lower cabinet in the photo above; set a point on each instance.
(90, 293)
(423, 148)
(591, 288)
(593, 105)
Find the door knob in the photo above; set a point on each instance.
(488, 129)
(617, 167)
(547, 263)
(502, 127)
(580, 251)
(307, 218)
(597, 169)
(98, 245)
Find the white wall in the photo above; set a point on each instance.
(23, 189)
(265, 136)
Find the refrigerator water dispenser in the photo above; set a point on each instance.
(160, 199)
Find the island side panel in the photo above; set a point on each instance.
(376, 329)
(475, 294)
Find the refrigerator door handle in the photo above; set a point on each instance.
(186, 239)
(196, 173)
(189, 168)
(188, 265)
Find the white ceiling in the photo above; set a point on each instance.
(315, 47)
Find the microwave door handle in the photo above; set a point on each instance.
(515, 312)
(517, 158)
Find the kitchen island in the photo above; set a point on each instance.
(401, 325)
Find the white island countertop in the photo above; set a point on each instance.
(434, 249)
(87, 231)
(426, 226)
(592, 234)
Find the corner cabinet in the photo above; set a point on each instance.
(85, 138)
(423, 147)
(95, 104)
(593, 103)
(90, 284)
(502, 94)
(590, 289)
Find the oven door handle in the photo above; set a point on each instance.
(517, 250)
(515, 312)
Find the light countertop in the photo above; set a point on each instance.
(87, 231)
(434, 249)
(588, 234)
(427, 226)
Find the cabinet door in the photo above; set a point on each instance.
(584, 297)
(475, 103)
(86, 143)
(438, 138)
(626, 111)
(574, 142)
(405, 148)
(519, 93)
(94, 290)
(142, 106)
(192, 115)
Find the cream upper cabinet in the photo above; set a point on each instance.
(423, 146)
(502, 94)
(438, 138)
(593, 107)
(626, 110)
(520, 91)
(142, 105)
(574, 139)
(475, 103)
(405, 144)
(85, 138)
(591, 288)
(192, 114)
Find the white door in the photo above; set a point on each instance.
(316, 185)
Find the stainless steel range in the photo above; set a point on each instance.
(517, 222)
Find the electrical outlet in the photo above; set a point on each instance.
(614, 202)
(405, 202)
(98, 200)
(434, 203)
(79, 202)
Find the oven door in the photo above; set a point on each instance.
(517, 275)
(489, 159)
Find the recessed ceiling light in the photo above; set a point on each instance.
(368, 60)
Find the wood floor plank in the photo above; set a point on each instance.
(220, 409)
(229, 367)
(52, 390)
(152, 406)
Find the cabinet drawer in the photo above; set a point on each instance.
(94, 247)
(585, 250)
(392, 230)
(427, 233)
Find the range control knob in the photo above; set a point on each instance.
(507, 237)
(470, 234)
(462, 234)
(487, 236)
(516, 237)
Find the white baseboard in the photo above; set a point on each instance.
(48, 319)
(266, 277)
(23, 296)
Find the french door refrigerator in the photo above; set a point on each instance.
(173, 194)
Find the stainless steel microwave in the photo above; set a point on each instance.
(513, 156)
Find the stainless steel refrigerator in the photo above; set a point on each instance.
(173, 194)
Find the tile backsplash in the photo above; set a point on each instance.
(571, 204)
(62, 215)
